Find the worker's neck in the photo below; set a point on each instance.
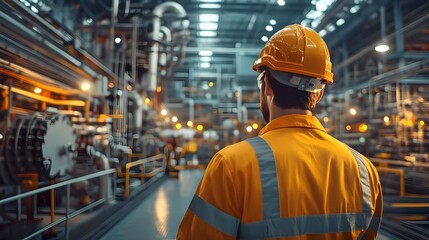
(280, 112)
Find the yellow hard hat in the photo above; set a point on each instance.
(297, 49)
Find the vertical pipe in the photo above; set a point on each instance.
(114, 15)
(345, 55)
(134, 39)
(158, 12)
(67, 211)
(239, 104)
(399, 36)
(52, 203)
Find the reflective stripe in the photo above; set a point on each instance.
(269, 183)
(310, 224)
(214, 216)
(364, 179)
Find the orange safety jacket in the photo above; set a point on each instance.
(293, 181)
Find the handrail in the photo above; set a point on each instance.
(399, 162)
(68, 215)
(400, 172)
(57, 185)
(143, 174)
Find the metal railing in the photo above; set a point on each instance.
(68, 215)
(143, 174)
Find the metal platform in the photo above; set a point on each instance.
(158, 216)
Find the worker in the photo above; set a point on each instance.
(293, 180)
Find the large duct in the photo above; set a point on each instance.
(158, 12)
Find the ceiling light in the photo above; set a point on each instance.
(211, 1)
(207, 33)
(330, 27)
(322, 32)
(321, 6)
(205, 59)
(273, 22)
(208, 26)
(382, 48)
(205, 64)
(205, 53)
(340, 21)
(269, 28)
(209, 17)
(281, 2)
(313, 14)
(354, 9)
(264, 38)
(209, 5)
(34, 9)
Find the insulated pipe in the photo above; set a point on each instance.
(102, 163)
(158, 12)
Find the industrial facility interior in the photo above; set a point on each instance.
(110, 110)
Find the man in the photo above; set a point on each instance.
(293, 181)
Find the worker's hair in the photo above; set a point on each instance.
(290, 97)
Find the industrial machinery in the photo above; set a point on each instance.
(72, 113)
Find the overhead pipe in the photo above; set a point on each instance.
(158, 13)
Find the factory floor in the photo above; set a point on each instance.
(159, 215)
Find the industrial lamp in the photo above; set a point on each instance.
(382, 47)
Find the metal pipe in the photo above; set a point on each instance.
(76, 103)
(102, 163)
(158, 12)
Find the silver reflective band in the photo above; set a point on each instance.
(260, 79)
(364, 179)
(268, 173)
(214, 216)
(302, 83)
(311, 224)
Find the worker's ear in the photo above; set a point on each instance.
(268, 91)
(320, 96)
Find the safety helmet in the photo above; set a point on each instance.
(297, 49)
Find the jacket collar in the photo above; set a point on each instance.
(293, 121)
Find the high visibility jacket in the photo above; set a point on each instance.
(293, 181)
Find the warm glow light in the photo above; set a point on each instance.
(363, 127)
(249, 128)
(386, 119)
(111, 85)
(164, 112)
(200, 127)
(421, 123)
(174, 119)
(255, 126)
(211, 84)
(37, 90)
(348, 127)
(190, 123)
(158, 89)
(237, 94)
(352, 111)
(129, 87)
(161, 207)
(147, 100)
(85, 86)
(178, 126)
(326, 119)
